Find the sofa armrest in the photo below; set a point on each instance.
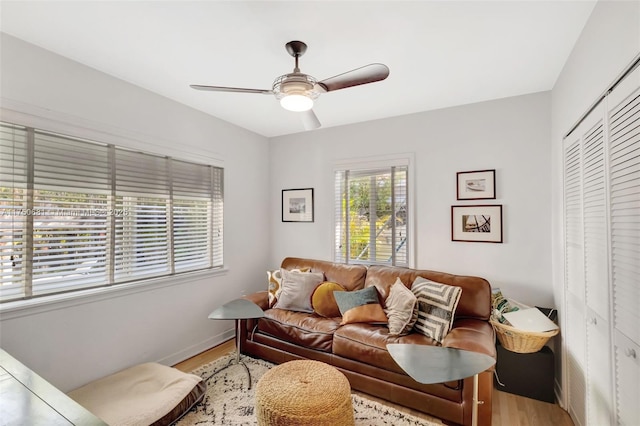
(260, 298)
(472, 335)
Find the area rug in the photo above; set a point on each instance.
(228, 402)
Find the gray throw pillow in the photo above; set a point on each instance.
(297, 289)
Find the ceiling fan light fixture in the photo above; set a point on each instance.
(296, 102)
(295, 91)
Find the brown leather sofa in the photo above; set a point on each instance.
(359, 350)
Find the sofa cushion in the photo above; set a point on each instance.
(436, 307)
(324, 302)
(401, 309)
(475, 301)
(307, 330)
(368, 343)
(360, 306)
(350, 277)
(296, 289)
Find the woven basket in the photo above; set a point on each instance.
(522, 342)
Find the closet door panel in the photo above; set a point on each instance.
(627, 360)
(624, 136)
(624, 139)
(599, 386)
(575, 335)
(574, 256)
(595, 212)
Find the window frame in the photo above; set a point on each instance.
(65, 130)
(380, 162)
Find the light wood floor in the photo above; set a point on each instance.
(508, 409)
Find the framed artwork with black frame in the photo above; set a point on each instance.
(297, 205)
(476, 185)
(480, 223)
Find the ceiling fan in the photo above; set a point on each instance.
(297, 91)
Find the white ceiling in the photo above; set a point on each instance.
(440, 53)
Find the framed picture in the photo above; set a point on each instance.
(297, 205)
(481, 224)
(477, 185)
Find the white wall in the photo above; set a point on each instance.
(510, 135)
(73, 342)
(608, 43)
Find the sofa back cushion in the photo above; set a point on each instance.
(475, 301)
(351, 277)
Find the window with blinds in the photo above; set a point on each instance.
(371, 216)
(76, 214)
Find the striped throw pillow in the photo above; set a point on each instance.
(436, 307)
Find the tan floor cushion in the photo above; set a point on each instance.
(140, 395)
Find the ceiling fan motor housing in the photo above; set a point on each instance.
(295, 84)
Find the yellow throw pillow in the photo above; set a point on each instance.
(323, 300)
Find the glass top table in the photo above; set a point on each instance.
(236, 310)
(436, 364)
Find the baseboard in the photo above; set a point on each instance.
(559, 397)
(193, 350)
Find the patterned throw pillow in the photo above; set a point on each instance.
(274, 278)
(402, 309)
(360, 306)
(436, 307)
(296, 289)
(323, 300)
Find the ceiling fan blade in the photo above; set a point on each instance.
(230, 89)
(363, 75)
(310, 120)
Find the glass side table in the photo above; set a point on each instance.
(236, 310)
(435, 364)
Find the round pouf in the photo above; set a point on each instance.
(309, 393)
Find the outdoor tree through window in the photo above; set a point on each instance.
(371, 216)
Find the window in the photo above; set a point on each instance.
(371, 224)
(76, 214)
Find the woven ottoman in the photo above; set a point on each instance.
(304, 393)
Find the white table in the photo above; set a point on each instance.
(436, 364)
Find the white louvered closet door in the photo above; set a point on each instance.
(596, 269)
(624, 136)
(574, 280)
(602, 260)
(586, 270)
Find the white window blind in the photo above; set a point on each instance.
(371, 216)
(70, 189)
(13, 201)
(143, 196)
(76, 214)
(193, 215)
